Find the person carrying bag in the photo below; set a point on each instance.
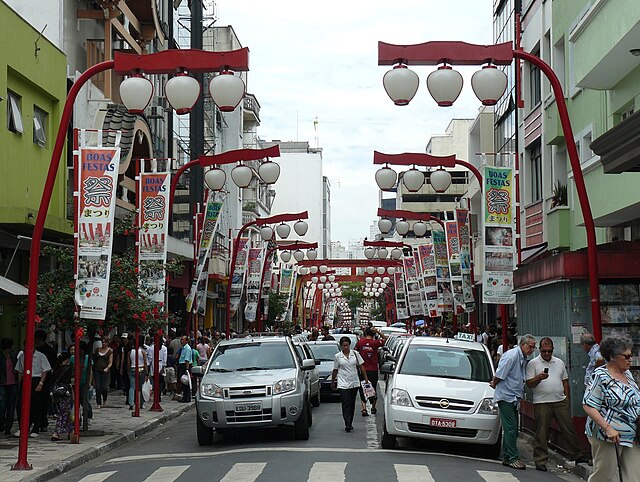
(346, 365)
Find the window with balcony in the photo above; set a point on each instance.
(14, 114)
(535, 172)
(39, 127)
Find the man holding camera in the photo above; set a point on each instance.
(548, 379)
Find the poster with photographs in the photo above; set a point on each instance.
(412, 286)
(199, 285)
(416, 259)
(464, 237)
(97, 180)
(237, 278)
(429, 280)
(455, 267)
(402, 312)
(499, 249)
(290, 291)
(254, 274)
(443, 277)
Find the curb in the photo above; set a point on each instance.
(580, 470)
(112, 443)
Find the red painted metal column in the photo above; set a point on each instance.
(136, 377)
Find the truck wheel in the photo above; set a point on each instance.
(205, 434)
(301, 426)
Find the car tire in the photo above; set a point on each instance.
(315, 401)
(388, 441)
(493, 451)
(309, 415)
(205, 434)
(301, 426)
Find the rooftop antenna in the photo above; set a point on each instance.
(316, 122)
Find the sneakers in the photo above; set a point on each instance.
(33, 435)
(515, 464)
(17, 433)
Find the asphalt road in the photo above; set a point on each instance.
(172, 453)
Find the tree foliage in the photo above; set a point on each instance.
(352, 292)
(277, 306)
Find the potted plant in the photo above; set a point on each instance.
(559, 194)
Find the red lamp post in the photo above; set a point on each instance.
(165, 62)
(489, 85)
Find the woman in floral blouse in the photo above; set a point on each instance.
(612, 403)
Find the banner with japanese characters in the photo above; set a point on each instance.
(153, 229)
(464, 236)
(402, 311)
(290, 291)
(97, 180)
(286, 275)
(499, 249)
(412, 286)
(455, 269)
(254, 274)
(238, 275)
(196, 300)
(429, 280)
(423, 299)
(443, 277)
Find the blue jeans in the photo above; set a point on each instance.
(8, 397)
(132, 386)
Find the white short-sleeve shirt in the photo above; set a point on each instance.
(550, 389)
(347, 367)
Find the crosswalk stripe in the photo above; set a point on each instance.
(99, 477)
(244, 472)
(493, 476)
(327, 472)
(167, 474)
(410, 473)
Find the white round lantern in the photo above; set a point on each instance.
(226, 90)
(401, 84)
(304, 271)
(370, 270)
(386, 279)
(301, 227)
(334, 284)
(314, 279)
(385, 225)
(323, 279)
(445, 85)
(440, 180)
(242, 175)
(489, 84)
(368, 280)
(369, 252)
(396, 253)
(382, 253)
(313, 269)
(420, 228)
(283, 230)
(377, 280)
(215, 179)
(269, 172)
(380, 270)
(320, 286)
(182, 92)
(136, 93)
(312, 254)
(298, 255)
(323, 268)
(266, 233)
(380, 290)
(402, 227)
(386, 178)
(285, 256)
(332, 277)
(383, 285)
(376, 294)
(375, 286)
(413, 179)
(391, 270)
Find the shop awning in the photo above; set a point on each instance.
(12, 287)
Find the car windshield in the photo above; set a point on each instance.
(324, 351)
(456, 363)
(251, 356)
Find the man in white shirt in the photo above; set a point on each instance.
(162, 362)
(548, 379)
(40, 370)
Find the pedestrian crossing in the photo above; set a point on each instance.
(319, 472)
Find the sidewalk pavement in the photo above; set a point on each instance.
(112, 427)
(557, 462)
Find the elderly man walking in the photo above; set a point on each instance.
(548, 379)
(508, 383)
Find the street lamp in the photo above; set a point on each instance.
(440, 180)
(164, 62)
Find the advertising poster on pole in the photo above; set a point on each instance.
(402, 312)
(499, 249)
(455, 268)
(412, 286)
(97, 179)
(286, 274)
(198, 291)
(464, 236)
(254, 274)
(443, 277)
(266, 283)
(292, 282)
(153, 206)
(238, 275)
(423, 298)
(429, 280)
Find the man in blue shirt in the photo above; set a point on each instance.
(184, 362)
(508, 383)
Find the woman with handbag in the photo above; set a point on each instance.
(62, 395)
(102, 362)
(346, 365)
(612, 404)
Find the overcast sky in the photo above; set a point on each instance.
(319, 59)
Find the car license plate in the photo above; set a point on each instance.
(443, 422)
(248, 407)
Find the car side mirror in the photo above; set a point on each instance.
(318, 362)
(388, 367)
(385, 349)
(391, 358)
(308, 364)
(199, 371)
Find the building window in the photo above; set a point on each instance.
(14, 115)
(535, 163)
(39, 127)
(534, 85)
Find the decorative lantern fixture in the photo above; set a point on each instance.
(332, 278)
(182, 92)
(320, 286)
(313, 269)
(385, 225)
(396, 253)
(323, 279)
(386, 280)
(285, 256)
(401, 84)
(420, 228)
(391, 270)
(370, 270)
(382, 253)
(445, 85)
(368, 280)
(304, 271)
(242, 175)
(314, 279)
(301, 227)
(283, 230)
(266, 233)
(298, 255)
(380, 270)
(312, 254)
(136, 93)
(369, 252)
(377, 280)
(323, 268)
(402, 228)
(489, 84)
(413, 179)
(215, 179)
(269, 172)
(226, 90)
(440, 180)
(386, 178)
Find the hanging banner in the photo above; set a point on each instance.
(254, 274)
(196, 300)
(266, 284)
(412, 286)
(443, 277)
(423, 299)
(402, 311)
(286, 275)
(429, 280)
(153, 229)
(237, 278)
(97, 179)
(291, 292)
(455, 268)
(499, 249)
(464, 236)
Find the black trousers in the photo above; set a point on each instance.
(38, 406)
(186, 390)
(348, 399)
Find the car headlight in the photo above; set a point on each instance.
(211, 390)
(284, 386)
(400, 397)
(488, 407)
